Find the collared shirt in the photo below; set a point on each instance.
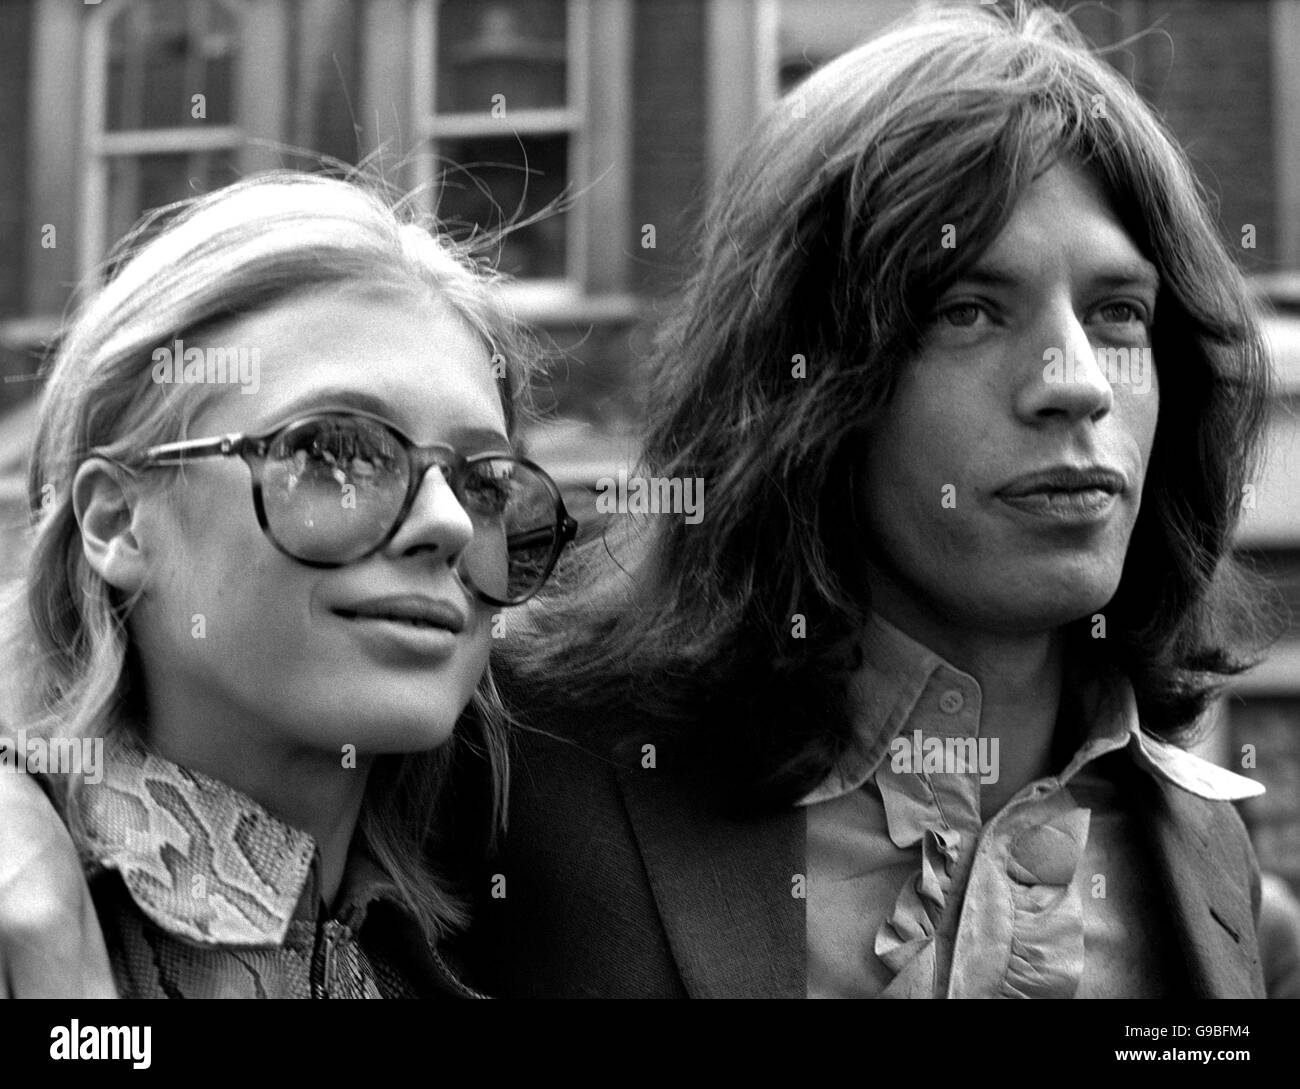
(202, 893)
(913, 892)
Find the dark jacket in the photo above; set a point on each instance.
(624, 881)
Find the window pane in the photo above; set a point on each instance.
(812, 32)
(502, 47)
(162, 53)
(139, 183)
(485, 184)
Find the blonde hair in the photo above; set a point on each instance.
(247, 247)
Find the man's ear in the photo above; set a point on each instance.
(107, 513)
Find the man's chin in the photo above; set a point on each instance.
(1043, 612)
(1078, 584)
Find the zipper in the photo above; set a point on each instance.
(324, 985)
(323, 963)
(330, 942)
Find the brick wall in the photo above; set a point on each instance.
(15, 79)
(1206, 67)
(668, 145)
(1214, 87)
(1270, 726)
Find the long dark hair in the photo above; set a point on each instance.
(823, 244)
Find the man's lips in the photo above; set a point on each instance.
(1066, 478)
(414, 609)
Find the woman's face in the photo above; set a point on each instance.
(235, 636)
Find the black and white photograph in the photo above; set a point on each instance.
(628, 499)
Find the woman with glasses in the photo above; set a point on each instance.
(265, 594)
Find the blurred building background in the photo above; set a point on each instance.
(624, 111)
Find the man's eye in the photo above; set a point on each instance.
(960, 315)
(1122, 313)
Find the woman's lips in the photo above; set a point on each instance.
(405, 637)
(416, 609)
(406, 625)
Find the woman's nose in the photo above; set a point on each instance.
(436, 521)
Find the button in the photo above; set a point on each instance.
(951, 702)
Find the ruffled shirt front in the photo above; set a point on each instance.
(913, 893)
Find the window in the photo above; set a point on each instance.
(812, 32)
(494, 112)
(760, 49)
(172, 96)
(500, 120)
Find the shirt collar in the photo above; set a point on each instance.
(204, 861)
(897, 670)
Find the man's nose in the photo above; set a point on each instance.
(1066, 380)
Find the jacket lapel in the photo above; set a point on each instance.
(724, 889)
(1203, 880)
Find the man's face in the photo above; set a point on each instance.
(1038, 358)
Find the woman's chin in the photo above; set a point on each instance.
(386, 730)
(423, 735)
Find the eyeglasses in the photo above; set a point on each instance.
(334, 487)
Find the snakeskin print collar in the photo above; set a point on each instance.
(202, 860)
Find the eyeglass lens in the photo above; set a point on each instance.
(332, 488)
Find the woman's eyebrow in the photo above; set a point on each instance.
(485, 439)
(335, 397)
(469, 436)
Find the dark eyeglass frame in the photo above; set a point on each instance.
(420, 459)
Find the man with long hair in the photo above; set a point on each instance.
(974, 390)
